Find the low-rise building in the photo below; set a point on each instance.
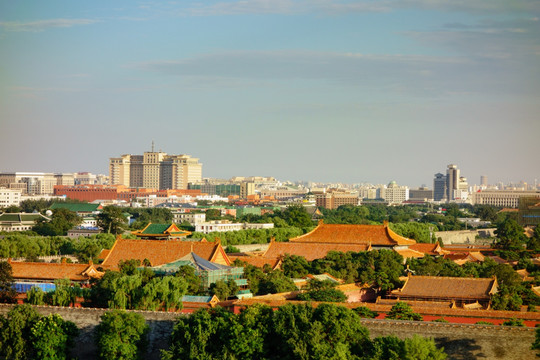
(10, 197)
(225, 225)
(19, 221)
(502, 198)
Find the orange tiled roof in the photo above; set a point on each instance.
(54, 271)
(441, 287)
(258, 261)
(103, 254)
(461, 258)
(376, 235)
(409, 253)
(310, 251)
(429, 249)
(161, 252)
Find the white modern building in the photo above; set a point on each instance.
(9, 197)
(224, 226)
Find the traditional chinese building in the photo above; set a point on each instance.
(160, 252)
(41, 274)
(463, 292)
(160, 232)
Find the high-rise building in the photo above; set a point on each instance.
(155, 170)
(439, 187)
(452, 181)
(483, 180)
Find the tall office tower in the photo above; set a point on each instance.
(155, 170)
(452, 181)
(439, 187)
(483, 180)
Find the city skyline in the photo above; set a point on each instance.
(327, 91)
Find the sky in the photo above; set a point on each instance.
(319, 90)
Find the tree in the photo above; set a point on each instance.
(7, 293)
(295, 266)
(322, 291)
(52, 337)
(15, 333)
(513, 322)
(365, 312)
(297, 216)
(35, 296)
(121, 335)
(402, 311)
(112, 220)
(223, 289)
(193, 281)
(510, 236)
(62, 220)
(536, 343)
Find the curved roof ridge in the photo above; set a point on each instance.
(401, 240)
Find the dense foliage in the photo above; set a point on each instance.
(121, 335)
(61, 221)
(30, 247)
(137, 289)
(24, 334)
(7, 293)
(144, 216)
(251, 236)
(290, 332)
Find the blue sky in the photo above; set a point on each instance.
(321, 90)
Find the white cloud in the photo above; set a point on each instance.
(42, 25)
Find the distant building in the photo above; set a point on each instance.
(483, 180)
(439, 187)
(19, 221)
(529, 211)
(35, 183)
(9, 197)
(192, 218)
(224, 226)
(502, 198)
(421, 194)
(333, 198)
(155, 170)
(395, 194)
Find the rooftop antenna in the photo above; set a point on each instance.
(152, 145)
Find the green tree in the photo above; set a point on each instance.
(112, 220)
(295, 266)
(420, 348)
(513, 322)
(297, 216)
(536, 343)
(322, 291)
(15, 333)
(510, 236)
(365, 312)
(35, 296)
(402, 311)
(65, 293)
(190, 277)
(7, 293)
(62, 220)
(223, 289)
(52, 337)
(121, 335)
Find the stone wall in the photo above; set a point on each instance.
(461, 341)
(478, 237)
(464, 341)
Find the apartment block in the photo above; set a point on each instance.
(155, 170)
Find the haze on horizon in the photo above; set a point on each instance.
(326, 90)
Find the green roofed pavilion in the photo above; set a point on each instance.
(160, 232)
